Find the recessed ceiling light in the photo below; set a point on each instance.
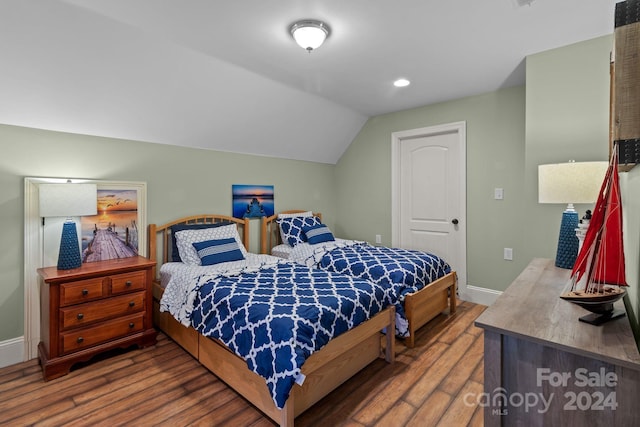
(401, 83)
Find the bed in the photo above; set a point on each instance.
(419, 304)
(323, 370)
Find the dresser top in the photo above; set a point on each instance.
(531, 309)
(88, 269)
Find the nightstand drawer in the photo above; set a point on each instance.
(127, 282)
(87, 337)
(85, 314)
(81, 291)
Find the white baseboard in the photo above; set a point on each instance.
(11, 351)
(479, 295)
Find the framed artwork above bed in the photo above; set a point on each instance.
(252, 201)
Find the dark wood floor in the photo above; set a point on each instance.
(163, 385)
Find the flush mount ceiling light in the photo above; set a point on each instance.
(310, 34)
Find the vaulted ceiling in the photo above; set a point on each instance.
(226, 75)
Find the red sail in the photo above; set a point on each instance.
(602, 253)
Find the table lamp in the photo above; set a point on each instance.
(572, 182)
(68, 200)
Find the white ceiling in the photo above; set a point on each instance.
(226, 75)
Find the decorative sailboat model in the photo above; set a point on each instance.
(598, 276)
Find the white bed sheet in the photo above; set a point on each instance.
(181, 280)
(282, 251)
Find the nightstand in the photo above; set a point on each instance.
(88, 310)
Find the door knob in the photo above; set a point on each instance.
(454, 221)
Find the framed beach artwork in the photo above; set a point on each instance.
(252, 201)
(119, 228)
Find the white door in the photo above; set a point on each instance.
(429, 193)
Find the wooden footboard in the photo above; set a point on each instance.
(325, 370)
(422, 306)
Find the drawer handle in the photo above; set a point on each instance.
(80, 316)
(80, 340)
(128, 283)
(131, 325)
(132, 303)
(85, 292)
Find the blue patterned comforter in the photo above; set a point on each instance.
(276, 316)
(405, 271)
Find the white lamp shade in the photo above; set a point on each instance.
(67, 200)
(309, 37)
(572, 182)
(309, 34)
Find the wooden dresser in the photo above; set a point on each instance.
(543, 367)
(97, 307)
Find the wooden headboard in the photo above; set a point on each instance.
(270, 232)
(162, 234)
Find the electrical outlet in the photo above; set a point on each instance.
(508, 254)
(378, 238)
(498, 193)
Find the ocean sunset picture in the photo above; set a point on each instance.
(252, 201)
(113, 231)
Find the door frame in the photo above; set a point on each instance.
(460, 128)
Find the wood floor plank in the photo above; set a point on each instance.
(439, 370)
(403, 381)
(13, 408)
(33, 417)
(178, 406)
(141, 401)
(398, 415)
(453, 382)
(478, 418)
(458, 327)
(130, 375)
(106, 400)
(198, 413)
(262, 422)
(460, 411)
(164, 385)
(430, 412)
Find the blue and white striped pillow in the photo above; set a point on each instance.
(186, 238)
(319, 233)
(217, 251)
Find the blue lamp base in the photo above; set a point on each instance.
(69, 255)
(567, 241)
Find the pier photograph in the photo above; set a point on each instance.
(252, 201)
(113, 231)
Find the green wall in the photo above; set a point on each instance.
(180, 182)
(567, 118)
(495, 158)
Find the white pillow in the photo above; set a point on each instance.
(186, 238)
(293, 215)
